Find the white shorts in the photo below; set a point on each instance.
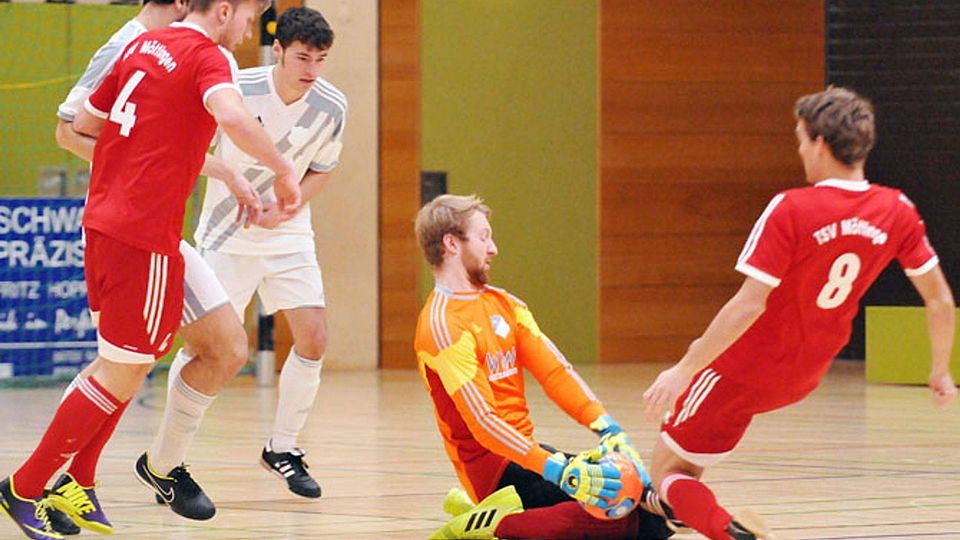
(284, 281)
(202, 291)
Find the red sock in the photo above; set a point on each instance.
(694, 503)
(77, 420)
(83, 468)
(565, 521)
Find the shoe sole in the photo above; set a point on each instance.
(67, 509)
(270, 469)
(9, 515)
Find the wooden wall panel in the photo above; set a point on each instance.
(696, 135)
(399, 179)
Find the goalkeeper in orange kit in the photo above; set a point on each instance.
(473, 343)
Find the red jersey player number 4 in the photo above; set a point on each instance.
(178, 63)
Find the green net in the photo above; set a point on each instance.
(43, 50)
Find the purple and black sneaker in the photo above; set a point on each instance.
(80, 503)
(29, 514)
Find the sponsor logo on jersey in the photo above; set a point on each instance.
(501, 364)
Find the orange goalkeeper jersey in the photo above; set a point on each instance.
(472, 349)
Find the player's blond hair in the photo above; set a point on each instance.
(447, 214)
(843, 118)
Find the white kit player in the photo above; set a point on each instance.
(213, 334)
(276, 258)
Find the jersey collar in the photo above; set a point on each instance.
(457, 295)
(858, 185)
(276, 94)
(191, 26)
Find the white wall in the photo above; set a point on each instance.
(345, 212)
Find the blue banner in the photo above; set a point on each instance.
(45, 325)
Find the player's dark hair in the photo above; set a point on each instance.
(843, 118)
(203, 6)
(447, 214)
(166, 2)
(306, 26)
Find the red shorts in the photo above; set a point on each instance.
(136, 298)
(712, 414)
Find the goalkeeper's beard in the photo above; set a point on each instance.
(479, 275)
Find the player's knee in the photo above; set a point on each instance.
(235, 355)
(314, 346)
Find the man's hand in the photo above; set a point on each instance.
(272, 216)
(619, 442)
(249, 206)
(590, 483)
(286, 187)
(605, 425)
(664, 391)
(944, 390)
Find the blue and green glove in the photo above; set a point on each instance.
(614, 439)
(587, 482)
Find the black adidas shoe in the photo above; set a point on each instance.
(60, 521)
(291, 467)
(178, 490)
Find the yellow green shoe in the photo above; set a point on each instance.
(80, 503)
(457, 502)
(480, 522)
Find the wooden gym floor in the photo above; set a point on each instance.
(852, 461)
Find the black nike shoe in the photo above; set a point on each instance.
(291, 467)
(178, 490)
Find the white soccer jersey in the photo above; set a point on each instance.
(98, 68)
(308, 132)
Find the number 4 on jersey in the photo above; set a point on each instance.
(123, 111)
(843, 272)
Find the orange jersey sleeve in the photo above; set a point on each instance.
(559, 380)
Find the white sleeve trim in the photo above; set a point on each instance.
(758, 274)
(93, 110)
(219, 86)
(322, 167)
(924, 268)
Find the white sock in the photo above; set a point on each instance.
(179, 360)
(181, 419)
(299, 381)
(73, 384)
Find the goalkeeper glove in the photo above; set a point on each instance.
(590, 483)
(621, 443)
(605, 425)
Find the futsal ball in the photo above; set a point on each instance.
(629, 494)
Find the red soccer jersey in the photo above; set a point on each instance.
(158, 129)
(821, 247)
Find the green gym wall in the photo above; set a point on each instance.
(509, 111)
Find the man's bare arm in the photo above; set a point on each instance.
(941, 325)
(231, 114)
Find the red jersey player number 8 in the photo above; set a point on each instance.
(843, 272)
(123, 111)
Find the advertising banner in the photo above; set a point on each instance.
(45, 324)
